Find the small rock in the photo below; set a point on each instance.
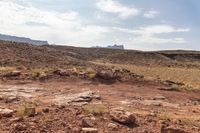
(88, 122)
(17, 119)
(89, 130)
(6, 112)
(20, 127)
(45, 110)
(159, 97)
(146, 131)
(172, 130)
(112, 126)
(97, 96)
(61, 73)
(15, 73)
(153, 114)
(196, 128)
(175, 121)
(122, 116)
(76, 130)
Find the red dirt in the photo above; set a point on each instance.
(67, 118)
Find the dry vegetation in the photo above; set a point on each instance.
(40, 61)
(190, 77)
(191, 120)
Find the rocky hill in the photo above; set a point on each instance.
(22, 40)
(12, 53)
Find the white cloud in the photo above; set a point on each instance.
(151, 13)
(149, 34)
(22, 19)
(153, 29)
(29, 21)
(112, 6)
(159, 29)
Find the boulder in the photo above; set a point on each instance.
(6, 112)
(105, 75)
(122, 116)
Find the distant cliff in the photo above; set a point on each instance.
(22, 39)
(111, 46)
(116, 46)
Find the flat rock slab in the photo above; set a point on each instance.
(12, 92)
(83, 97)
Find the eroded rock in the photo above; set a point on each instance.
(112, 126)
(122, 116)
(172, 130)
(6, 112)
(105, 75)
(75, 99)
(88, 122)
(9, 97)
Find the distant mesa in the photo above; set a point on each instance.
(115, 46)
(22, 40)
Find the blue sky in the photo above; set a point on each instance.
(137, 24)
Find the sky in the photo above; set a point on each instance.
(136, 24)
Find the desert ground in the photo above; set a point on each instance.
(60, 89)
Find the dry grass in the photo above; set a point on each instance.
(91, 73)
(26, 109)
(165, 116)
(37, 73)
(189, 77)
(7, 69)
(190, 120)
(95, 109)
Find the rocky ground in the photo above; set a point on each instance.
(60, 89)
(86, 106)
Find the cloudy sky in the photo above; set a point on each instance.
(137, 24)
